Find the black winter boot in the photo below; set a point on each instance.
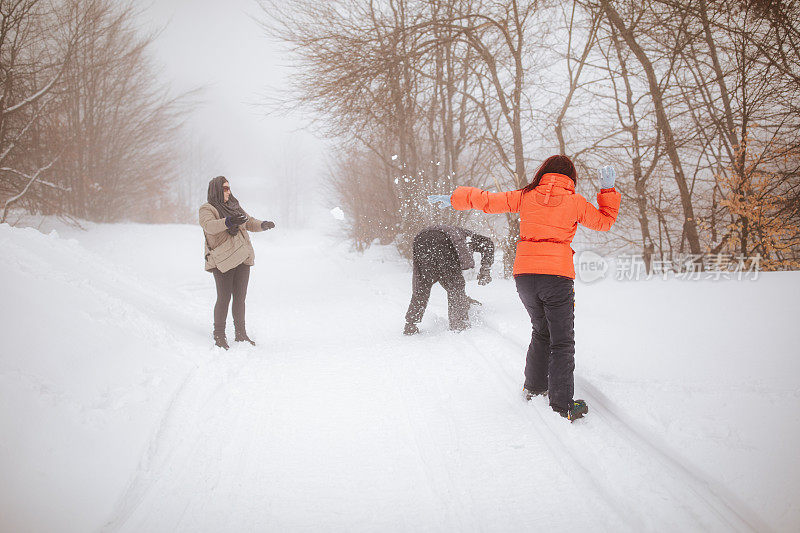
(241, 336)
(220, 340)
(577, 409)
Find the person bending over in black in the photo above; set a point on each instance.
(440, 254)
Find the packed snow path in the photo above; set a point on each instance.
(336, 421)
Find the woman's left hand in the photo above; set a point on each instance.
(267, 224)
(608, 176)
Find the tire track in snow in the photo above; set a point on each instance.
(717, 497)
(166, 438)
(464, 516)
(728, 509)
(399, 298)
(457, 426)
(615, 502)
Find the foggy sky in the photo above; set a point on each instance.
(216, 44)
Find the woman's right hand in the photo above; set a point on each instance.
(442, 199)
(235, 220)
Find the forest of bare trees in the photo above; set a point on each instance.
(87, 131)
(694, 102)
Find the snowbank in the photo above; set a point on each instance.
(89, 357)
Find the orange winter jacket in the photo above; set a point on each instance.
(549, 216)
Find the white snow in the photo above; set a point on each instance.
(337, 213)
(117, 414)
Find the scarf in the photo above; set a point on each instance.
(225, 209)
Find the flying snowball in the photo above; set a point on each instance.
(337, 213)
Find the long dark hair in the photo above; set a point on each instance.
(555, 164)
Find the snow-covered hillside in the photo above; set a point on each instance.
(116, 413)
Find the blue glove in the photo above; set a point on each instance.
(442, 199)
(607, 177)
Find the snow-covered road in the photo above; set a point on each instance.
(336, 421)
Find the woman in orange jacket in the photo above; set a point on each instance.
(550, 211)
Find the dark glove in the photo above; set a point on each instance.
(235, 220)
(267, 224)
(484, 278)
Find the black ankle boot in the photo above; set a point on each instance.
(220, 340)
(242, 337)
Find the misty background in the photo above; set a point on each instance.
(115, 111)
(272, 161)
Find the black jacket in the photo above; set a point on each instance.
(466, 243)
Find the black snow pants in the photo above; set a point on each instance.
(550, 364)
(436, 261)
(231, 283)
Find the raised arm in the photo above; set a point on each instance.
(464, 198)
(600, 219)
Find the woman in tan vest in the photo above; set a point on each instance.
(229, 255)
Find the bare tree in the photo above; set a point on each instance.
(629, 33)
(695, 101)
(375, 79)
(30, 75)
(116, 121)
(86, 129)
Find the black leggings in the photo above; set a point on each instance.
(231, 283)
